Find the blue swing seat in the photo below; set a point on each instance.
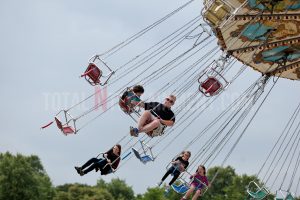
(144, 159)
(180, 189)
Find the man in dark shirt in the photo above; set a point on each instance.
(155, 117)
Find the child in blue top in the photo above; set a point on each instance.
(131, 98)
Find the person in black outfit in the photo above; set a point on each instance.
(106, 165)
(155, 117)
(178, 165)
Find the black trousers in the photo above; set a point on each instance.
(94, 163)
(174, 171)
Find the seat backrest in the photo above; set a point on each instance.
(211, 85)
(137, 154)
(124, 106)
(58, 123)
(94, 73)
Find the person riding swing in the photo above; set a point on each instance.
(130, 99)
(155, 117)
(108, 164)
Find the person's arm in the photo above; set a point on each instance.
(192, 176)
(107, 154)
(141, 104)
(106, 157)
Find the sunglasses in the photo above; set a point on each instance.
(169, 100)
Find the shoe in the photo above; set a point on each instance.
(159, 184)
(134, 131)
(78, 169)
(167, 190)
(82, 173)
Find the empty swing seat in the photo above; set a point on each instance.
(143, 159)
(180, 189)
(289, 196)
(210, 86)
(64, 128)
(258, 193)
(92, 74)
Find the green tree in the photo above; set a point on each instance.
(23, 177)
(118, 188)
(81, 192)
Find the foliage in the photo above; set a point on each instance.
(23, 177)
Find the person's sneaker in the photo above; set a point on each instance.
(134, 131)
(81, 173)
(78, 169)
(167, 190)
(96, 169)
(159, 184)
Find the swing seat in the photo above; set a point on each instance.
(216, 12)
(123, 103)
(289, 196)
(258, 195)
(64, 128)
(92, 74)
(143, 159)
(180, 189)
(126, 101)
(210, 86)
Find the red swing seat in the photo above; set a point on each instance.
(124, 105)
(64, 128)
(211, 86)
(92, 74)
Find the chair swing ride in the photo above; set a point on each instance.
(261, 34)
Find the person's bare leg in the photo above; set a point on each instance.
(196, 195)
(146, 116)
(151, 126)
(189, 192)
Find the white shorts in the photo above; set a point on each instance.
(157, 131)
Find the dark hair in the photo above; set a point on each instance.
(119, 147)
(202, 166)
(138, 89)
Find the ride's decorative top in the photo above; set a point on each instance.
(264, 35)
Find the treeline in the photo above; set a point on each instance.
(24, 178)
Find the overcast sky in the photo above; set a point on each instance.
(45, 46)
